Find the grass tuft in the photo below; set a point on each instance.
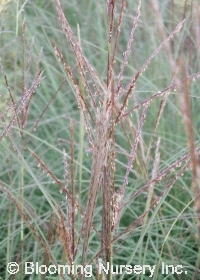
(100, 138)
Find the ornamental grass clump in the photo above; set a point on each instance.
(104, 106)
(104, 184)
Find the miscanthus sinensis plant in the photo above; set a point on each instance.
(99, 138)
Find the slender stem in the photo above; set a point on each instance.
(81, 138)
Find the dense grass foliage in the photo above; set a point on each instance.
(99, 137)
